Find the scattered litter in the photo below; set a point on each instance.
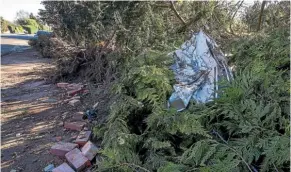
(49, 168)
(18, 135)
(13, 170)
(199, 65)
(91, 114)
(95, 105)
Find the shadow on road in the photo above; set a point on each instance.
(17, 36)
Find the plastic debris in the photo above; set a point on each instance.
(199, 64)
(91, 114)
(49, 168)
(95, 105)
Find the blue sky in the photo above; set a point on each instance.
(8, 8)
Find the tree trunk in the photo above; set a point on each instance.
(261, 15)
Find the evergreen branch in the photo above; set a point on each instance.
(177, 13)
(275, 167)
(230, 25)
(134, 165)
(261, 15)
(226, 144)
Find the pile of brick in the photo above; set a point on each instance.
(82, 151)
(73, 90)
(78, 154)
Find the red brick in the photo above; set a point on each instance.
(61, 148)
(85, 91)
(64, 167)
(78, 126)
(78, 116)
(77, 159)
(74, 102)
(62, 84)
(74, 86)
(59, 138)
(72, 98)
(83, 137)
(89, 150)
(74, 92)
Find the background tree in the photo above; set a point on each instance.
(21, 16)
(4, 25)
(31, 16)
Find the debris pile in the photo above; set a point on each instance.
(79, 151)
(78, 154)
(73, 90)
(198, 67)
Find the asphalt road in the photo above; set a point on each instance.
(14, 42)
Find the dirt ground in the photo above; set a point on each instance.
(31, 113)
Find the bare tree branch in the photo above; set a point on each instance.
(177, 13)
(261, 15)
(226, 144)
(230, 25)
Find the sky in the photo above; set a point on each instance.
(8, 8)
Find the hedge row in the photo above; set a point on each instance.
(15, 29)
(30, 29)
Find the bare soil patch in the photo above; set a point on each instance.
(31, 113)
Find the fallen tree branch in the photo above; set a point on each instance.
(177, 13)
(230, 28)
(193, 20)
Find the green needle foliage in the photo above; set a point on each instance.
(245, 129)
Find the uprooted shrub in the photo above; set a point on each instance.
(49, 46)
(89, 63)
(246, 129)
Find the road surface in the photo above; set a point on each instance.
(14, 42)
